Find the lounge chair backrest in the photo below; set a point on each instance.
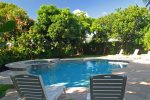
(136, 52)
(29, 87)
(148, 53)
(107, 87)
(121, 51)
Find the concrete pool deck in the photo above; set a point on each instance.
(138, 83)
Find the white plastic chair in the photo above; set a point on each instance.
(135, 54)
(120, 53)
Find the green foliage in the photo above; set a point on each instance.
(8, 26)
(18, 15)
(129, 26)
(125, 25)
(102, 28)
(13, 21)
(29, 45)
(60, 29)
(8, 56)
(85, 23)
(3, 89)
(147, 40)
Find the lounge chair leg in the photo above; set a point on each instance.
(19, 99)
(65, 92)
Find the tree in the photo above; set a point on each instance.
(13, 22)
(129, 26)
(101, 28)
(29, 45)
(8, 26)
(60, 28)
(14, 13)
(147, 40)
(85, 23)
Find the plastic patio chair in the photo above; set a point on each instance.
(145, 56)
(135, 54)
(107, 87)
(30, 87)
(120, 53)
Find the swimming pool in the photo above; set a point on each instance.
(75, 73)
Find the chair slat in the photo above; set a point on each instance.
(29, 87)
(107, 81)
(108, 84)
(29, 83)
(107, 87)
(107, 94)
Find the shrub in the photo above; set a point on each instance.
(3, 89)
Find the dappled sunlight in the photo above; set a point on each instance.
(81, 83)
(137, 88)
(76, 83)
(140, 83)
(140, 70)
(119, 72)
(131, 92)
(10, 93)
(145, 83)
(132, 82)
(76, 90)
(59, 84)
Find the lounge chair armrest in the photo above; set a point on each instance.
(88, 96)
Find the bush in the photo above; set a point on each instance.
(3, 89)
(147, 40)
(8, 56)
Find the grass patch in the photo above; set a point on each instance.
(3, 89)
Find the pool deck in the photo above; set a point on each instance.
(138, 83)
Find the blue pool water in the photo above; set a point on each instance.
(74, 73)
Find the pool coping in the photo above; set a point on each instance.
(23, 65)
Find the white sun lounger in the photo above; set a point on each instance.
(146, 56)
(120, 53)
(135, 54)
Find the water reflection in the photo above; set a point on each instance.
(73, 73)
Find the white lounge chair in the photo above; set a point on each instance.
(145, 56)
(135, 54)
(121, 64)
(30, 87)
(120, 53)
(107, 87)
